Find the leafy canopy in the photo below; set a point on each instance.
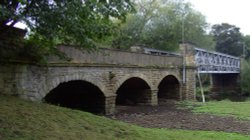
(159, 24)
(246, 46)
(77, 22)
(228, 39)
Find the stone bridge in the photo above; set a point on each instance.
(98, 81)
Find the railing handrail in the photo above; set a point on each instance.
(214, 52)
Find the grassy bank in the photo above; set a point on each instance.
(26, 120)
(239, 110)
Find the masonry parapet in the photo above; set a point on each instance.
(116, 57)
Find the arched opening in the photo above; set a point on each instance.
(133, 91)
(169, 88)
(79, 95)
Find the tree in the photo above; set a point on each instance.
(245, 77)
(158, 24)
(228, 39)
(77, 22)
(246, 46)
(131, 32)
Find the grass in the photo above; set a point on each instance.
(23, 120)
(239, 110)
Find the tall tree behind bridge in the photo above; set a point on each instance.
(159, 24)
(246, 46)
(228, 39)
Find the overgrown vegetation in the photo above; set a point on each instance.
(26, 120)
(245, 78)
(206, 90)
(206, 85)
(227, 108)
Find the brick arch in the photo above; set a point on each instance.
(124, 78)
(56, 81)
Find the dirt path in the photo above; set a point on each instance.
(168, 116)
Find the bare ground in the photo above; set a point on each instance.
(167, 115)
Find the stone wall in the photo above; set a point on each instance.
(224, 85)
(117, 57)
(189, 71)
(189, 88)
(22, 79)
(34, 82)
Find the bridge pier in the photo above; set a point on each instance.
(109, 107)
(149, 98)
(152, 98)
(225, 85)
(188, 72)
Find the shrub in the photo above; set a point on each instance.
(245, 78)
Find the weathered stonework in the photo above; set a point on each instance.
(34, 82)
(225, 85)
(189, 75)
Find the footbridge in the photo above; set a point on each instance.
(98, 81)
(214, 62)
(224, 69)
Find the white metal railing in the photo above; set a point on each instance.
(214, 62)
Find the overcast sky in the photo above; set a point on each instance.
(235, 12)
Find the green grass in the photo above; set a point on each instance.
(239, 110)
(23, 120)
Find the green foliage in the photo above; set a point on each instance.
(27, 120)
(34, 49)
(206, 90)
(245, 77)
(227, 108)
(228, 39)
(82, 23)
(246, 46)
(158, 24)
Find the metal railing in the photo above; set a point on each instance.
(214, 62)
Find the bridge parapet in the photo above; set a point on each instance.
(117, 57)
(214, 62)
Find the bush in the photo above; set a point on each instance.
(245, 78)
(206, 93)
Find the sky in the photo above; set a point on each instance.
(234, 12)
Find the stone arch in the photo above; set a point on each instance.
(169, 88)
(165, 75)
(122, 79)
(53, 82)
(77, 94)
(133, 91)
(76, 91)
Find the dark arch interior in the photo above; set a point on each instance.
(79, 95)
(132, 92)
(169, 88)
